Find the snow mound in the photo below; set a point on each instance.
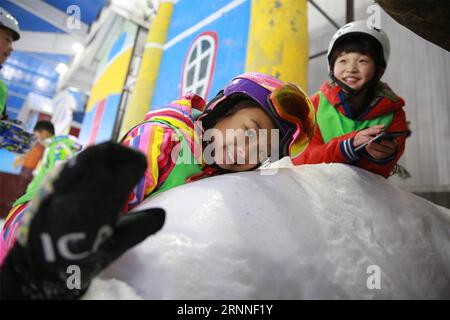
(325, 231)
(111, 289)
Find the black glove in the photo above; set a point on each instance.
(77, 228)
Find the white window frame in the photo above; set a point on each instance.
(195, 64)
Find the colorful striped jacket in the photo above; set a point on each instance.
(160, 137)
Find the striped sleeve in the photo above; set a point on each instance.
(348, 150)
(8, 234)
(156, 141)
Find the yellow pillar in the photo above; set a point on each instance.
(142, 94)
(278, 40)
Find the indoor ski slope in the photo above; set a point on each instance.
(320, 231)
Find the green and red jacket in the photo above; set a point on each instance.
(336, 128)
(3, 96)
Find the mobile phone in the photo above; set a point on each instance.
(385, 135)
(391, 135)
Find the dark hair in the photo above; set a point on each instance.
(359, 43)
(240, 105)
(232, 105)
(45, 125)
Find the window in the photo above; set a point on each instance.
(199, 65)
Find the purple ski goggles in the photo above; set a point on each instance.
(288, 106)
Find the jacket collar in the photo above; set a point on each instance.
(384, 100)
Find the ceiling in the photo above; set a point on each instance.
(48, 36)
(45, 42)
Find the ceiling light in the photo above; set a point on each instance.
(77, 48)
(61, 68)
(41, 83)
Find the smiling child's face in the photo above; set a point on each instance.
(242, 139)
(6, 39)
(354, 69)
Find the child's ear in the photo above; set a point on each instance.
(380, 72)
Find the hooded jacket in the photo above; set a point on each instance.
(173, 149)
(337, 127)
(172, 144)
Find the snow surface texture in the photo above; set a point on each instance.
(307, 232)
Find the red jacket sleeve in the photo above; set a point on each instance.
(385, 167)
(320, 152)
(341, 150)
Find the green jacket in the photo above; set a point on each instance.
(58, 149)
(3, 96)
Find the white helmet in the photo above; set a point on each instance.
(361, 27)
(9, 22)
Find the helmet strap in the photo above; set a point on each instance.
(350, 91)
(370, 86)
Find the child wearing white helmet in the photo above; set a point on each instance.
(9, 32)
(360, 120)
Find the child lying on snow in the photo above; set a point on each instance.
(74, 220)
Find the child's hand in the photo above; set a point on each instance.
(19, 161)
(367, 134)
(382, 150)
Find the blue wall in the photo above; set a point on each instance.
(22, 73)
(232, 32)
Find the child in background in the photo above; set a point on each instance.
(57, 149)
(9, 32)
(74, 219)
(355, 106)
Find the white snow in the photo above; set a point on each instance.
(110, 289)
(307, 232)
